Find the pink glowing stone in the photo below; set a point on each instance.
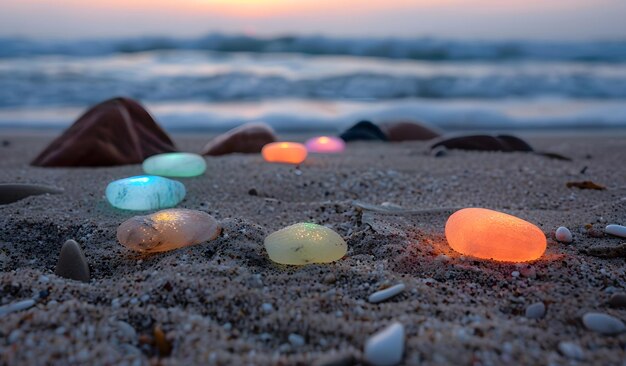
(325, 144)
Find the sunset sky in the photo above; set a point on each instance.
(486, 19)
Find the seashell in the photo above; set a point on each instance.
(305, 243)
(145, 192)
(176, 164)
(386, 347)
(616, 230)
(167, 230)
(72, 263)
(284, 152)
(488, 234)
(563, 235)
(12, 192)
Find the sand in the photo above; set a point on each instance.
(224, 302)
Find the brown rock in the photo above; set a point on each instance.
(248, 138)
(115, 132)
(408, 131)
(11, 192)
(72, 263)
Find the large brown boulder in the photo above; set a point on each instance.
(408, 131)
(248, 138)
(115, 132)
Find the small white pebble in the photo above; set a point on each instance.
(571, 350)
(296, 340)
(16, 306)
(563, 235)
(515, 274)
(616, 230)
(386, 347)
(267, 307)
(386, 294)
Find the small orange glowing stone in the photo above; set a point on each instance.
(488, 234)
(284, 152)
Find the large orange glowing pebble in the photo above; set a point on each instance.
(488, 234)
(284, 152)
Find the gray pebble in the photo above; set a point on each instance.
(618, 300)
(296, 340)
(536, 310)
(571, 350)
(603, 323)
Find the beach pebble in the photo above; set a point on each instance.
(494, 235)
(145, 192)
(167, 230)
(325, 145)
(618, 300)
(72, 263)
(386, 294)
(296, 340)
(12, 192)
(117, 131)
(16, 306)
(563, 235)
(571, 350)
(248, 139)
(176, 164)
(616, 230)
(386, 347)
(536, 310)
(603, 323)
(305, 243)
(408, 131)
(363, 130)
(284, 152)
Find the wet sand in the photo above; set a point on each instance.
(225, 302)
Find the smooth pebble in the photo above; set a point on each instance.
(385, 294)
(563, 235)
(72, 263)
(176, 164)
(305, 243)
(571, 350)
(618, 300)
(296, 340)
(616, 230)
(167, 230)
(536, 310)
(145, 192)
(16, 306)
(603, 323)
(386, 347)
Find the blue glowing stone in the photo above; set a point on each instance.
(176, 164)
(145, 192)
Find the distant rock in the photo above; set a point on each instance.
(505, 143)
(408, 131)
(364, 130)
(12, 192)
(72, 263)
(247, 139)
(118, 131)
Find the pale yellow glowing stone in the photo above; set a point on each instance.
(305, 243)
(167, 230)
(488, 234)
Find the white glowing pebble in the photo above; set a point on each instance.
(386, 347)
(617, 230)
(563, 235)
(167, 230)
(305, 243)
(176, 164)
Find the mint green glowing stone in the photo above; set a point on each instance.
(176, 164)
(145, 192)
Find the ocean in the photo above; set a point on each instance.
(314, 83)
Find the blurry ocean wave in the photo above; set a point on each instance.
(394, 48)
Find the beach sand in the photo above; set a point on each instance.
(211, 300)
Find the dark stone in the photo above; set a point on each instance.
(118, 131)
(247, 139)
(397, 131)
(364, 130)
(12, 192)
(503, 143)
(72, 263)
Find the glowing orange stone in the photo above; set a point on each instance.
(284, 152)
(488, 234)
